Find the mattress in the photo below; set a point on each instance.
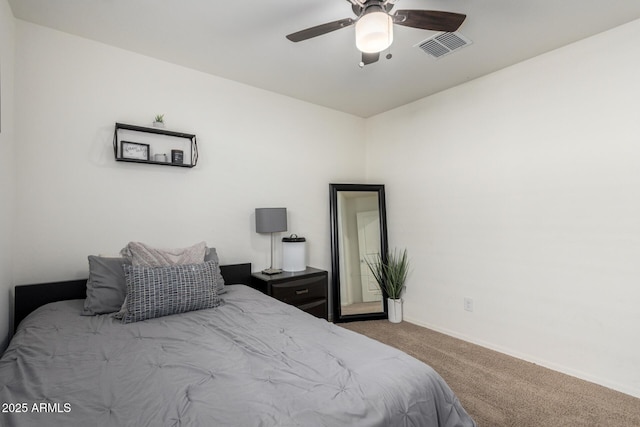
(253, 361)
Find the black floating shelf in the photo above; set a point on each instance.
(157, 131)
(151, 162)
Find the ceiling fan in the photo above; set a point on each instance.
(374, 25)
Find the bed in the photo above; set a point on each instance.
(251, 361)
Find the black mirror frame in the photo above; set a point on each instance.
(335, 254)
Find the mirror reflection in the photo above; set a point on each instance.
(358, 234)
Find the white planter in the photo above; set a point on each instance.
(394, 307)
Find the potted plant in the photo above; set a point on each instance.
(159, 121)
(391, 274)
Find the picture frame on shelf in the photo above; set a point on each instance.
(177, 156)
(134, 150)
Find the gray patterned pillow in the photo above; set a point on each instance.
(160, 291)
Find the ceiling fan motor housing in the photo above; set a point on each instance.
(374, 29)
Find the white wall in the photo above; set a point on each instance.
(257, 149)
(7, 168)
(521, 190)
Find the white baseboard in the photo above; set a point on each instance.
(635, 392)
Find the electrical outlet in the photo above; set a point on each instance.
(468, 304)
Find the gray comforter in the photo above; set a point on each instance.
(252, 362)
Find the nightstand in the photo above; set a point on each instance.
(305, 289)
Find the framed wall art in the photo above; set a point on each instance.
(135, 150)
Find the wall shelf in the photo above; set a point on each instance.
(157, 141)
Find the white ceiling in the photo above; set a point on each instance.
(244, 40)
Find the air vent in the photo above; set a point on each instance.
(443, 44)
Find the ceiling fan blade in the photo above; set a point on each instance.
(370, 58)
(320, 30)
(429, 20)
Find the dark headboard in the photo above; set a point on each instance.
(30, 297)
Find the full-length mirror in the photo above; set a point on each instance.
(358, 233)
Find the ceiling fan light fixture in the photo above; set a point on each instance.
(374, 30)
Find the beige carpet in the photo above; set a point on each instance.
(499, 390)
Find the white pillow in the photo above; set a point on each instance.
(145, 255)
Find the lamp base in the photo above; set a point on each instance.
(271, 271)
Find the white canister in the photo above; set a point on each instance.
(294, 253)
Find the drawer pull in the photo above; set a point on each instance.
(302, 291)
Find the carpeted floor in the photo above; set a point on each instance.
(499, 390)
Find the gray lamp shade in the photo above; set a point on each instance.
(271, 220)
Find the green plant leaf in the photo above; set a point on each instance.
(390, 274)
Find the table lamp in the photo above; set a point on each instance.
(271, 220)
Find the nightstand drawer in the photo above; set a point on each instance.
(298, 291)
(306, 289)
